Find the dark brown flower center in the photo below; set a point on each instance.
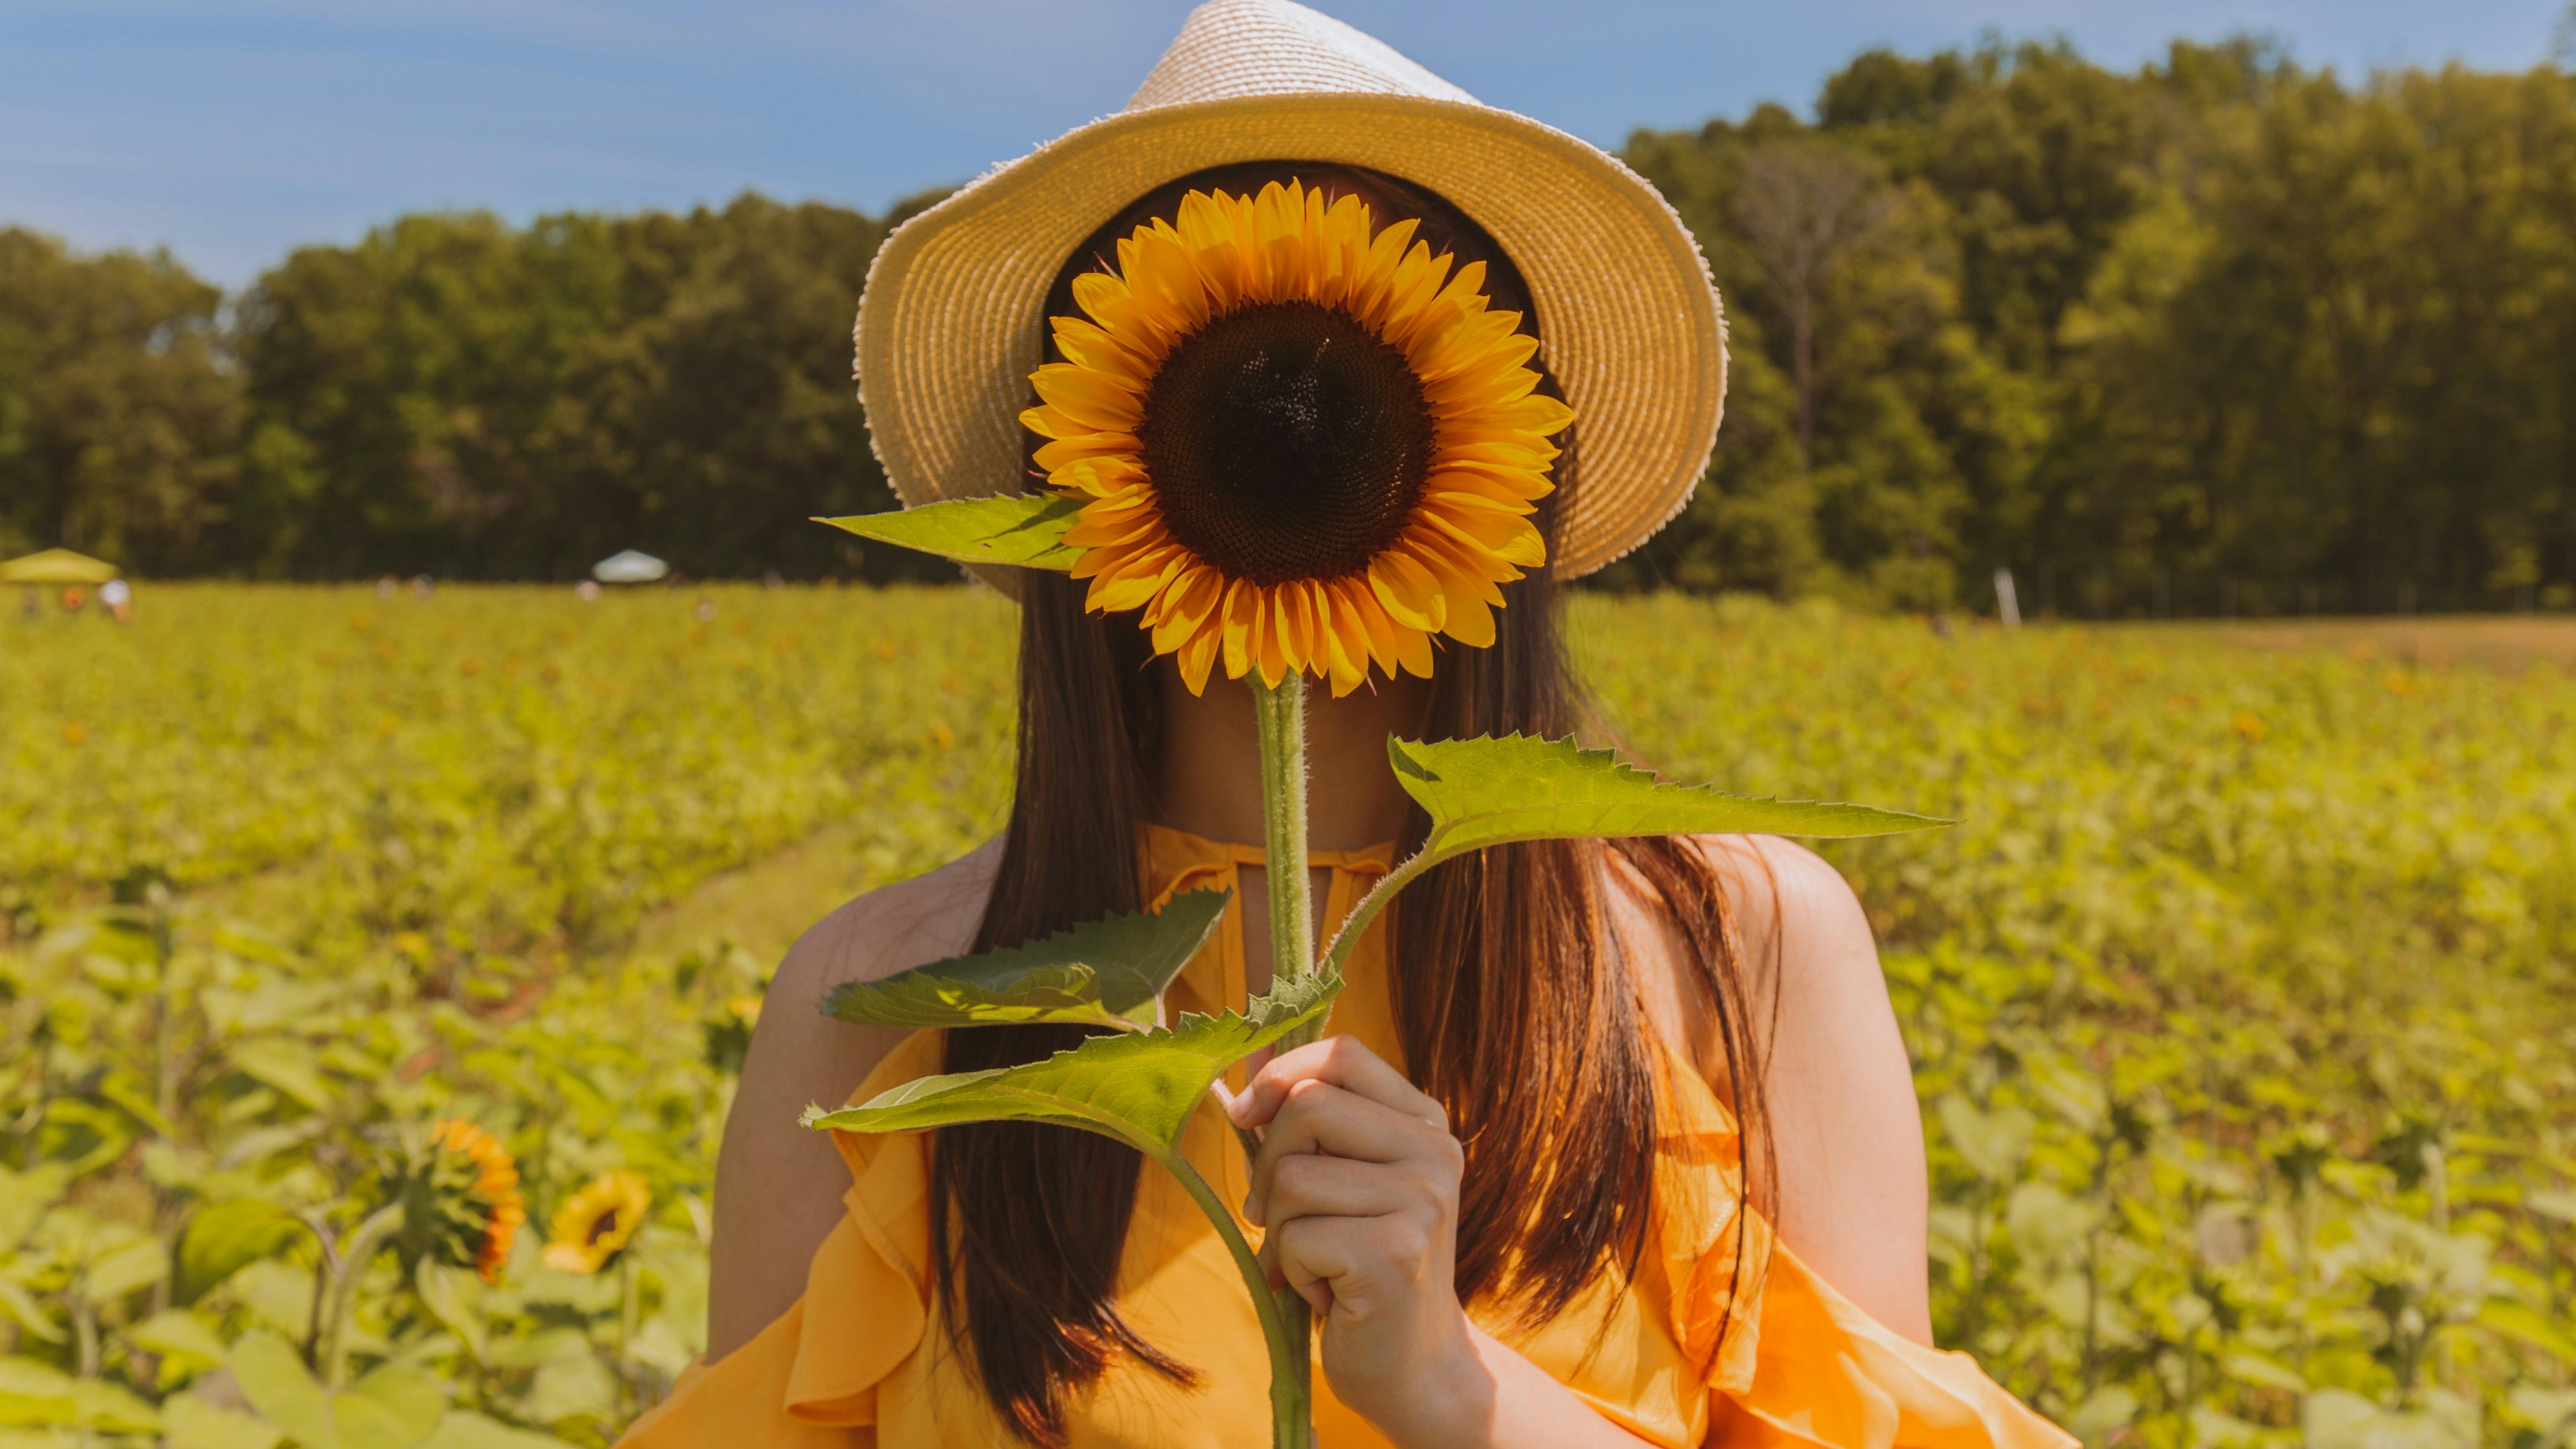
(600, 1227)
(1285, 441)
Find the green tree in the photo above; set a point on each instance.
(462, 397)
(117, 409)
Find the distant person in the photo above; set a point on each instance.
(387, 586)
(587, 591)
(1594, 1046)
(118, 600)
(73, 598)
(421, 586)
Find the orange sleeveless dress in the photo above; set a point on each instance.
(860, 1361)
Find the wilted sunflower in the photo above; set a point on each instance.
(595, 1223)
(1307, 445)
(460, 1197)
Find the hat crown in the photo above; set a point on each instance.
(1231, 49)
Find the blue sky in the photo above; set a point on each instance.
(232, 130)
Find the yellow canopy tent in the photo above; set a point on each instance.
(56, 566)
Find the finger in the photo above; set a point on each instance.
(1342, 1062)
(1322, 1118)
(1313, 1185)
(1312, 1253)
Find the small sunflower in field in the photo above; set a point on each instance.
(595, 1224)
(1306, 444)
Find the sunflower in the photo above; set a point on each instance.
(474, 1194)
(1306, 444)
(594, 1224)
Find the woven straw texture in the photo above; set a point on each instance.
(951, 324)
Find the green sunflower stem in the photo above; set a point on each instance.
(359, 1251)
(1280, 710)
(1292, 1417)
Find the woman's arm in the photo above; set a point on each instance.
(1357, 1183)
(1854, 1194)
(779, 1185)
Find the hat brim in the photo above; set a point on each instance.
(949, 325)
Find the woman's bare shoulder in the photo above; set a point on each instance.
(1786, 899)
(1846, 1132)
(894, 928)
(779, 1186)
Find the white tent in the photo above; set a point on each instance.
(629, 567)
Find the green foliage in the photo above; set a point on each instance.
(1103, 974)
(1139, 1087)
(391, 1408)
(1026, 531)
(291, 874)
(2237, 996)
(2218, 336)
(117, 415)
(1485, 792)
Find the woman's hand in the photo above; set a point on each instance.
(1356, 1185)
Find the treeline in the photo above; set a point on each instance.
(2220, 335)
(452, 396)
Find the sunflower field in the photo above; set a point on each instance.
(360, 1095)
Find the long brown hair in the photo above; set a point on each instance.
(1514, 1004)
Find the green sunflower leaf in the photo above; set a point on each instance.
(1106, 973)
(1023, 530)
(227, 1237)
(1488, 791)
(1139, 1087)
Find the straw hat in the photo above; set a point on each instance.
(950, 324)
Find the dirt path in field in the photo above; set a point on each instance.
(2505, 641)
(763, 906)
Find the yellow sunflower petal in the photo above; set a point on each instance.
(1114, 306)
(1087, 346)
(1054, 455)
(1295, 608)
(1048, 422)
(1242, 610)
(1354, 600)
(1516, 450)
(1198, 654)
(1166, 282)
(1489, 339)
(1507, 536)
(1461, 575)
(1416, 283)
(1471, 622)
(1344, 641)
(1413, 652)
(1187, 607)
(1408, 592)
(1512, 495)
(1125, 526)
(1088, 397)
(1136, 580)
(1106, 475)
(1377, 272)
(1537, 414)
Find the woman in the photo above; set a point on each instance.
(1514, 1183)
